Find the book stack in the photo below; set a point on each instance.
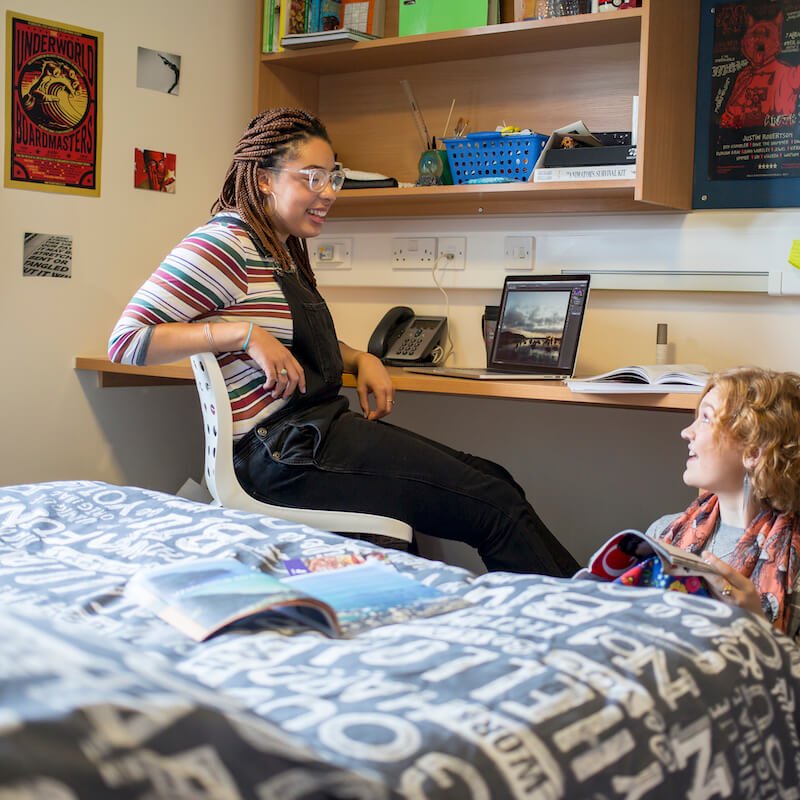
(573, 153)
(311, 23)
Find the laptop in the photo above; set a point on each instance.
(538, 331)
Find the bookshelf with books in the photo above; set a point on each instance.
(537, 74)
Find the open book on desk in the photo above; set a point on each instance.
(686, 378)
(205, 595)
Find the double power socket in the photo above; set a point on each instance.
(444, 252)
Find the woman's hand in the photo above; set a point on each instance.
(372, 378)
(731, 586)
(282, 370)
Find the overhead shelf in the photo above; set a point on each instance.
(564, 33)
(541, 74)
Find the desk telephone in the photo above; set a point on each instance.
(402, 338)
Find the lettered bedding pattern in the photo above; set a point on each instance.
(541, 688)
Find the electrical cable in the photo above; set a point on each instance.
(443, 356)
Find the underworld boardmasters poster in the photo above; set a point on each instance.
(755, 82)
(53, 106)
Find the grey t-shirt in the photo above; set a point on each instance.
(722, 544)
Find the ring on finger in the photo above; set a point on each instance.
(726, 591)
(283, 371)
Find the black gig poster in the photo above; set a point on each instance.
(748, 128)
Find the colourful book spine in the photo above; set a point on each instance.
(266, 27)
(283, 22)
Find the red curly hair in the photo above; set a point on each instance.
(760, 412)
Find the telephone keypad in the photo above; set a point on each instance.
(415, 339)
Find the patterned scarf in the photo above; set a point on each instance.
(768, 552)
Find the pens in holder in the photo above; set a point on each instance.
(450, 114)
(422, 128)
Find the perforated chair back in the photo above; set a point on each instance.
(221, 478)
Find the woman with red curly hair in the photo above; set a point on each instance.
(744, 454)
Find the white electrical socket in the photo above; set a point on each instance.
(331, 253)
(518, 252)
(413, 253)
(452, 252)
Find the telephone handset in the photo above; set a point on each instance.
(402, 338)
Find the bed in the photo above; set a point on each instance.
(538, 688)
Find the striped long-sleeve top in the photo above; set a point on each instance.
(215, 274)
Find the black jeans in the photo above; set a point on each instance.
(329, 457)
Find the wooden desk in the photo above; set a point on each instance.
(111, 375)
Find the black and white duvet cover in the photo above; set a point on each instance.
(540, 689)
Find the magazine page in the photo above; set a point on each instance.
(629, 547)
(373, 593)
(202, 596)
(656, 373)
(678, 378)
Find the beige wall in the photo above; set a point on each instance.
(55, 423)
(587, 471)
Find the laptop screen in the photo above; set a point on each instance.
(539, 324)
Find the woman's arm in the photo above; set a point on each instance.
(371, 378)
(172, 341)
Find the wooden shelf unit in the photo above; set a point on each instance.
(540, 74)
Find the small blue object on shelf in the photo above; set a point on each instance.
(489, 154)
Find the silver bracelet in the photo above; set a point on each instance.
(209, 338)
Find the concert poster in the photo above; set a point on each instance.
(747, 142)
(53, 106)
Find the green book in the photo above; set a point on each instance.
(429, 16)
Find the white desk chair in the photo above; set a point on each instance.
(224, 486)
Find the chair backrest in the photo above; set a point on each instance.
(221, 478)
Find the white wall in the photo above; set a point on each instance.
(588, 471)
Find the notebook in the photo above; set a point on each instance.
(537, 334)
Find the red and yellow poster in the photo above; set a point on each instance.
(53, 106)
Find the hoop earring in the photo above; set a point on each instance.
(271, 202)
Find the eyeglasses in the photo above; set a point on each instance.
(318, 178)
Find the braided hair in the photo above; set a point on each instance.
(271, 138)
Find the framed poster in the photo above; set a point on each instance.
(747, 139)
(53, 106)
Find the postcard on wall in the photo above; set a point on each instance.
(47, 256)
(53, 106)
(158, 71)
(154, 170)
(747, 147)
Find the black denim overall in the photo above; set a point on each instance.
(316, 453)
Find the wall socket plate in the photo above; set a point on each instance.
(413, 253)
(331, 253)
(518, 252)
(452, 252)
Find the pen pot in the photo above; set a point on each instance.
(434, 169)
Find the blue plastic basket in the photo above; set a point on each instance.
(476, 157)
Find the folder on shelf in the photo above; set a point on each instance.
(430, 16)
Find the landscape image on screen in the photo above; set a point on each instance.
(532, 328)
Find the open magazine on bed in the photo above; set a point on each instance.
(203, 596)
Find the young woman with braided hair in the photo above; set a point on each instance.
(744, 453)
(241, 286)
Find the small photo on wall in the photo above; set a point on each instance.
(47, 255)
(154, 170)
(158, 71)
